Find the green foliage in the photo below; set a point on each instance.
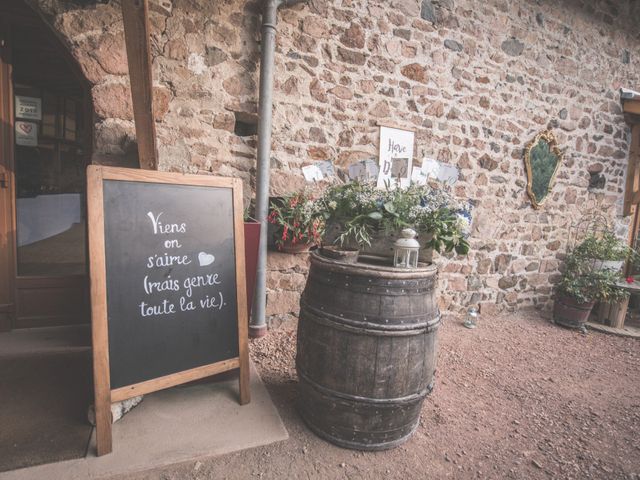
(361, 209)
(606, 247)
(585, 283)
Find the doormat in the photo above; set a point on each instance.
(43, 408)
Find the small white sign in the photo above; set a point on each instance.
(28, 107)
(27, 134)
(396, 157)
(312, 173)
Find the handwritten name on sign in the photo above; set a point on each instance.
(171, 278)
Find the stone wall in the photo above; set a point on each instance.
(477, 80)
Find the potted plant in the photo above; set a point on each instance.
(359, 215)
(297, 224)
(581, 286)
(606, 252)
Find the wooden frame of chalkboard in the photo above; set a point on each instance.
(105, 290)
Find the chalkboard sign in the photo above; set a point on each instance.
(167, 283)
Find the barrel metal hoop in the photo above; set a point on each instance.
(360, 445)
(406, 400)
(388, 289)
(387, 272)
(362, 279)
(367, 328)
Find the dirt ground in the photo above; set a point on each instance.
(516, 398)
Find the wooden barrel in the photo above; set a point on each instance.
(366, 352)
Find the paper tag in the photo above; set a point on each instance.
(434, 170)
(364, 170)
(326, 168)
(312, 173)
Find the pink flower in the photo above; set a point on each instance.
(630, 279)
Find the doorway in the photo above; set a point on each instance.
(46, 123)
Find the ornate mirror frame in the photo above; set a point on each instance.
(550, 139)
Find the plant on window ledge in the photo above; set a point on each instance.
(297, 224)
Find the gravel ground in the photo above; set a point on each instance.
(516, 398)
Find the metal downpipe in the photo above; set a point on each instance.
(258, 325)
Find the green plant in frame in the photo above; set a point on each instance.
(542, 159)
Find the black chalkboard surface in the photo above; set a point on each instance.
(167, 283)
(171, 280)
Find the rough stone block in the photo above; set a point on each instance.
(283, 302)
(415, 71)
(512, 47)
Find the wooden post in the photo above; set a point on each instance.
(135, 15)
(243, 314)
(99, 330)
(618, 313)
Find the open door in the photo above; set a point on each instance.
(46, 140)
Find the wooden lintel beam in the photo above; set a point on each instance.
(631, 106)
(135, 14)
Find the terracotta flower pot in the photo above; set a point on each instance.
(345, 255)
(570, 313)
(289, 247)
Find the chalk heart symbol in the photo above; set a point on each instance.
(205, 259)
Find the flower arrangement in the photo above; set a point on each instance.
(362, 210)
(296, 220)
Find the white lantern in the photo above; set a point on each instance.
(472, 318)
(406, 250)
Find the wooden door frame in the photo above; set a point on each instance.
(7, 213)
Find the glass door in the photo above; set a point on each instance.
(46, 139)
(50, 209)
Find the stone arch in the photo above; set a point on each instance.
(93, 33)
